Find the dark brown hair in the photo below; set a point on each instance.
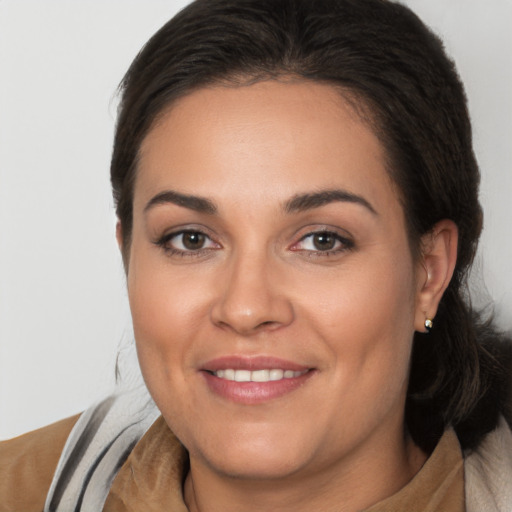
(382, 55)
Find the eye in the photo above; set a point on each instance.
(187, 241)
(327, 242)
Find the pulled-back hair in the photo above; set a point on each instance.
(394, 69)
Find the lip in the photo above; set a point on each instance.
(252, 393)
(252, 363)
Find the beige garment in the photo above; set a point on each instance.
(437, 487)
(27, 465)
(151, 478)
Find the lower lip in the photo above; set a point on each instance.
(254, 392)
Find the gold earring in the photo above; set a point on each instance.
(428, 324)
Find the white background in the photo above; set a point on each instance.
(63, 308)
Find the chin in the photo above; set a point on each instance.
(249, 454)
(257, 466)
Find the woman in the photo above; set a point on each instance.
(297, 202)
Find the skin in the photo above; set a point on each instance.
(260, 285)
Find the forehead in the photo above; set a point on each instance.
(260, 141)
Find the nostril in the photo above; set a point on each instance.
(268, 325)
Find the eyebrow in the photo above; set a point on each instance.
(297, 203)
(196, 203)
(303, 202)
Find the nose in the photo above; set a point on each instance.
(251, 297)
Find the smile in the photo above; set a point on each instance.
(266, 375)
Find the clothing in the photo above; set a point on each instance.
(489, 472)
(27, 465)
(150, 478)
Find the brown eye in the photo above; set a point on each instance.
(324, 241)
(187, 242)
(193, 240)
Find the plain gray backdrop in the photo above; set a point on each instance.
(63, 307)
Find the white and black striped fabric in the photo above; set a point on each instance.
(97, 447)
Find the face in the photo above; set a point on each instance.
(271, 283)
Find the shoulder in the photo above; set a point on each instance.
(488, 472)
(27, 465)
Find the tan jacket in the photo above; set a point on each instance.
(150, 479)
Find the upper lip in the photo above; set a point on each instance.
(237, 362)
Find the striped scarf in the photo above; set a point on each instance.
(97, 447)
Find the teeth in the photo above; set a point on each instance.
(242, 376)
(257, 375)
(276, 374)
(260, 376)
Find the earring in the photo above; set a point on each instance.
(428, 324)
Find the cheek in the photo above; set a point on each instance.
(366, 315)
(364, 296)
(165, 312)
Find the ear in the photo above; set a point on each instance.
(121, 245)
(119, 235)
(435, 269)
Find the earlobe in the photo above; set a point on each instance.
(435, 270)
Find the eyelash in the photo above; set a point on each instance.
(164, 243)
(344, 244)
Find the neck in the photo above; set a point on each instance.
(353, 484)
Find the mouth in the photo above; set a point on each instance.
(263, 375)
(254, 380)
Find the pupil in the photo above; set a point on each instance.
(324, 241)
(193, 240)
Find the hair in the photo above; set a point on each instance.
(382, 57)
